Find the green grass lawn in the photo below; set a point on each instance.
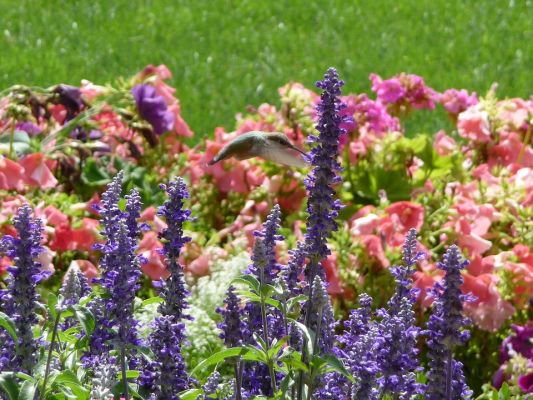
(228, 54)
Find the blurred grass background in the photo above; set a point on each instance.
(227, 54)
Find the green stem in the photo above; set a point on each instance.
(238, 395)
(123, 367)
(49, 358)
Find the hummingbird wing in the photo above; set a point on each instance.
(283, 155)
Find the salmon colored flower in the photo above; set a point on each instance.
(473, 124)
(444, 144)
(87, 267)
(37, 171)
(489, 311)
(11, 175)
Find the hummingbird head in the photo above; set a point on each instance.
(278, 139)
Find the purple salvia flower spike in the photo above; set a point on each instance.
(232, 326)
(397, 351)
(446, 331)
(20, 299)
(321, 205)
(166, 376)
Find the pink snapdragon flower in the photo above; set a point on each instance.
(11, 174)
(444, 145)
(37, 171)
(406, 90)
(473, 124)
(456, 101)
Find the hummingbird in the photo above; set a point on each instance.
(272, 146)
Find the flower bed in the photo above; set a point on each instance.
(397, 200)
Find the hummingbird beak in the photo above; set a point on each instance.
(298, 150)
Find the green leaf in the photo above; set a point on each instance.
(18, 139)
(51, 304)
(220, 356)
(329, 363)
(86, 318)
(94, 174)
(504, 392)
(152, 300)
(8, 383)
(293, 359)
(27, 391)
(308, 336)
(9, 325)
(276, 347)
(295, 300)
(190, 394)
(257, 299)
(130, 374)
(248, 280)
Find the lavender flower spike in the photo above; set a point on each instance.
(446, 330)
(173, 211)
(321, 205)
(166, 376)
(397, 351)
(232, 326)
(20, 298)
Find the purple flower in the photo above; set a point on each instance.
(29, 127)
(173, 290)
(232, 326)
(293, 270)
(322, 320)
(388, 91)
(121, 272)
(152, 108)
(70, 98)
(20, 300)
(521, 342)
(359, 342)
(445, 328)
(397, 351)
(74, 287)
(321, 205)
(525, 382)
(166, 375)
(265, 267)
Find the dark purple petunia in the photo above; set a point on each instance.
(70, 98)
(153, 108)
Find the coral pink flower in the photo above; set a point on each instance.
(11, 175)
(374, 249)
(332, 275)
(53, 215)
(514, 113)
(410, 215)
(489, 311)
(473, 124)
(479, 265)
(5, 262)
(81, 239)
(90, 91)
(87, 267)
(444, 144)
(423, 282)
(199, 266)
(508, 150)
(37, 172)
(59, 113)
(149, 248)
(364, 225)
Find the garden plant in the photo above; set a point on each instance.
(392, 265)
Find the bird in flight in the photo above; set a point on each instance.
(272, 146)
